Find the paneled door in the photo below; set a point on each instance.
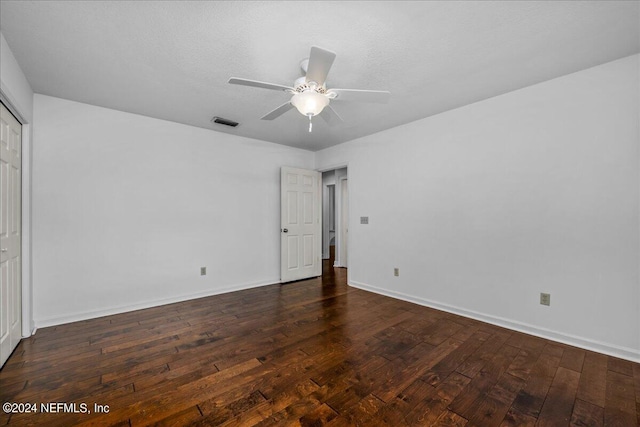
(300, 224)
(10, 217)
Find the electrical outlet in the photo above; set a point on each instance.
(545, 299)
(203, 271)
(364, 220)
(396, 271)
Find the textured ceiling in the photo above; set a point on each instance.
(172, 60)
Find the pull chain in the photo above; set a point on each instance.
(310, 124)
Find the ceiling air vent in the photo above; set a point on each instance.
(226, 122)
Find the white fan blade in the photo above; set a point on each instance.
(255, 83)
(278, 111)
(330, 116)
(380, 96)
(320, 62)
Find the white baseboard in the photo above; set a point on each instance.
(576, 341)
(75, 317)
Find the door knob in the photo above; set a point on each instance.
(4, 249)
(284, 230)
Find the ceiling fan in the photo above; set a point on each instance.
(310, 94)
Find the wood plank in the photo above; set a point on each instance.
(217, 411)
(454, 359)
(417, 392)
(524, 361)
(573, 358)
(530, 399)
(526, 342)
(492, 409)
(593, 381)
(389, 415)
(322, 415)
(468, 402)
(392, 378)
(359, 414)
(395, 342)
(586, 414)
(558, 406)
(277, 403)
(439, 331)
(450, 419)
(428, 409)
(620, 366)
(482, 355)
(190, 416)
(620, 403)
(636, 382)
(515, 418)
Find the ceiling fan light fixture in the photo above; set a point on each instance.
(309, 92)
(309, 102)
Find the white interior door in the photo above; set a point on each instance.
(300, 224)
(10, 216)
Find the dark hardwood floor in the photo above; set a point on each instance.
(311, 353)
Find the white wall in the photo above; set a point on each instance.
(484, 207)
(17, 95)
(14, 84)
(128, 208)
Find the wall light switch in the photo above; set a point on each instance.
(203, 271)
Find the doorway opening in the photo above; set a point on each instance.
(335, 214)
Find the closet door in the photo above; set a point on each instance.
(10, 233)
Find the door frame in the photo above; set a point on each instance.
(338, 213)
(26, 277)
(327, 213)
(342, 254)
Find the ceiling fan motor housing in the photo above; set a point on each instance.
(301, 85)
